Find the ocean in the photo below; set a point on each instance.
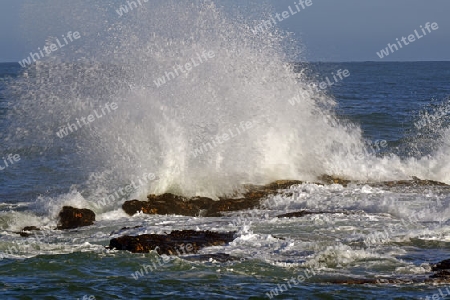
(78, 127)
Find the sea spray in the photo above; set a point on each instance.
(158, 128)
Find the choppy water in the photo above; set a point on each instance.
(339, 130)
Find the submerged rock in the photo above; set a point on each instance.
(26, 231)
(441, 275)
(355, 281)
(413, 182)
(302, 213)
(178, 242)
(71, 217)
(442, 271)
(219, 257)
(202, 206)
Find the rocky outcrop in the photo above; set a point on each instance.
(169, 204)
(250, 198)
(202, 206)
(71, 217)
(178, 242)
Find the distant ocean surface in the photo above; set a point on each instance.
(384, 101)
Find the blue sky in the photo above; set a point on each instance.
(330, 30)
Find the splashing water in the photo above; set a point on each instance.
(238, 86)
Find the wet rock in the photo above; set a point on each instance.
(202, 206)
(178, 242)
(442, 275)
(443, 265)
(327, 179)
(442, 272)
(302, 213)
(281, 184)
(125, 228)
(71, 217)
(30, 228)
(169, 204)
(299, 214)
(26, 231)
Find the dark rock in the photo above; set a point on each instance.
(178, 242)
(31, 228)
(124, 228)
(281, 184)
(442, 274)
(298, 214)
(26, 231)
(168, 204)
(443, 265)
(71, 217)
(302, 213)
(201, 206)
